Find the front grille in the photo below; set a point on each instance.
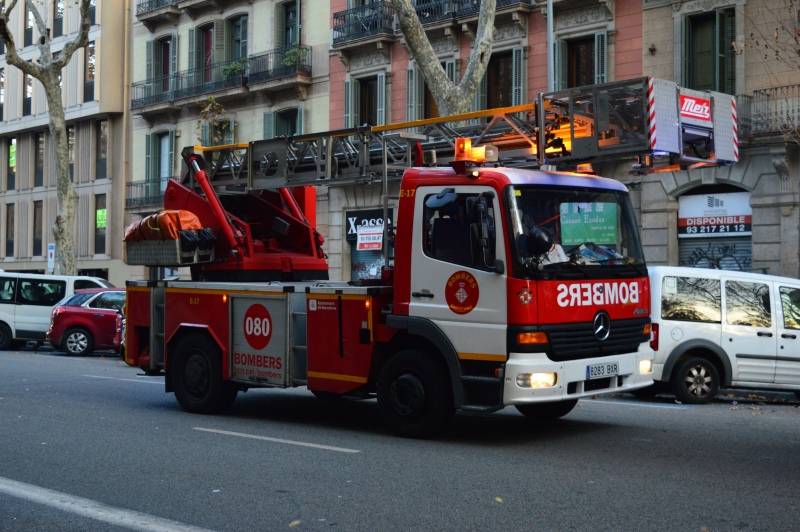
(574, 341)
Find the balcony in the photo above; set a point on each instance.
(773, 111)
(507, 11)
(272, 71)
(364, 27)
(146, 194)
(154, 12)
(280, 69)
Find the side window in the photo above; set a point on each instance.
(747, 304)
(53, 291)
(7, 287)
(80, 284)
(43, 293)
(690, 299)
(459, 228)
(110, 300)
(790, 302)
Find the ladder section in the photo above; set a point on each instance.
(652, 122)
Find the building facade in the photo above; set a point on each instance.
(94, 98)
(265, 62)
(719, 45)
(685, 216)
(374, 80)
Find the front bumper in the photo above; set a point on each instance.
(571, 380)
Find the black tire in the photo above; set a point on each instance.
(414, 395)
(648, 392)
(547, 411)
(77, 341)
(5, 337)
(695, 381)
(196, 373)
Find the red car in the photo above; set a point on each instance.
(87, 320)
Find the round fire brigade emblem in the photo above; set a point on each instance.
(257, 326)
(461, 292)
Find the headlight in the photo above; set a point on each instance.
(537, 380)
(645, 366)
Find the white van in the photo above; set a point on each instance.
(717, 328)
(27, 300)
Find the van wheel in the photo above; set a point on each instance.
(5, 337)
(414, 395)
(547, 411)
(695, 382)
(77, 342)
(196, 373)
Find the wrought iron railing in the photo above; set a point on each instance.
(282, 62)
(146, 6)
(430, 11)
(375, 18)
(207, 79)
(773, 110)
(146, 193)
(152, 91)
(465, 8)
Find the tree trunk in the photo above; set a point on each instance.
(450, 98)
(64, 226)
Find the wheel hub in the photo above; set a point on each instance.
(196, 375)
(407, 395)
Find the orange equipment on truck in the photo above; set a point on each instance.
(508, 283)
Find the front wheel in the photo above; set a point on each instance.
(547, 411)
(695, 381)
(196, 373)
(414, 395)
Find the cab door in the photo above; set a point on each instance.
(457, 278)
(748, 329)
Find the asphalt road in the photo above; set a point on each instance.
(90, 444)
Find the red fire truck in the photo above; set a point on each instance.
(506, 282)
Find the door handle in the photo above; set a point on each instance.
(791, 336)
(765, 334)
(422, 294)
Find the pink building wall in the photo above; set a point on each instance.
(627, 60)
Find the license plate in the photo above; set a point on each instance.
(598, 371)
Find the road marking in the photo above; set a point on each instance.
(643, 405)
(146, 381)
(92, 509)
(278, 440)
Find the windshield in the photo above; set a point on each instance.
(570, 232)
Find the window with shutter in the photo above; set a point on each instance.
(708, 55)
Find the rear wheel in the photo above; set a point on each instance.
(196, 375)
(695, 381)
(414, 395)
(77, 342)
(5, 337)
(547, 411)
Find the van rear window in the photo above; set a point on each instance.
(691, 299)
